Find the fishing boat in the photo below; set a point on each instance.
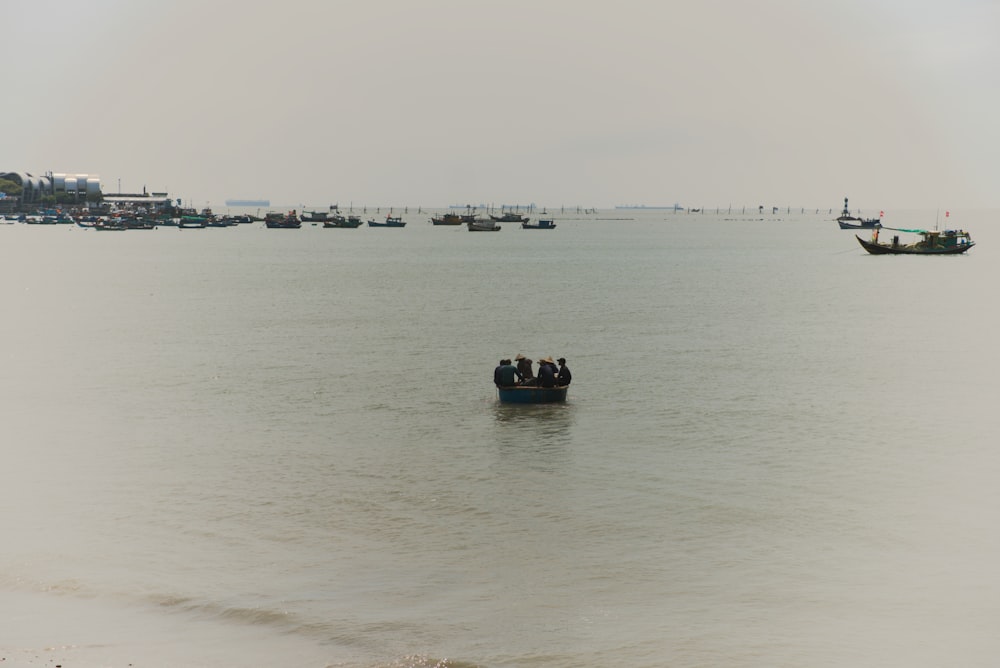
(542, 224)
(390, 221)
(111, 225)
(449, 219)
(338, 220)
(316, 216)
(278, 221)
(510, 217)
(930, 242)
(849, 222)
(522, 394)
(192, 223)
(139, 224)
(483, 225)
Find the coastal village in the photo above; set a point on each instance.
(60, 198)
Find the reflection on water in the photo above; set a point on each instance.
(544, 429)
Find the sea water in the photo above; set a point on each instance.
(243, 446)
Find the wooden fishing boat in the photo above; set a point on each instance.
(279, 221)
(542, 224)
(930, 242)
(510, 217)
(483, 225)
(350, 222)
(192, 223)
(849, 222)
(521, 394)
(390, 221)
(448, 219)
(111, 225)
(315, 216)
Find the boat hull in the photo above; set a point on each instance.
(532, 395)
(907, 249)
(858, 224)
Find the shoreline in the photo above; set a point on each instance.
(60, 630)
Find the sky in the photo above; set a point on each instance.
(432, 103)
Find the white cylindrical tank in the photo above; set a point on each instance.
(93, 185)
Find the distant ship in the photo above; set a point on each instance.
(248, 202)
(675, 207)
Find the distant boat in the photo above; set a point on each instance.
(849, 222)
(390, 221)
(521, 394)
(447, 219)
(248, 202)
(455, 218)
(338, 220)
(483, 225)
(319, 216)
(140, 224)
(278, 221)
(191, 223)
(111, 225)
(315, 216)
(510, 218)
(931, 242)
(542, 224)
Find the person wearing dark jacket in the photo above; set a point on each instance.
(505, 374)
(546, 372)
(524, 366)
(496, 373)
(565, 377)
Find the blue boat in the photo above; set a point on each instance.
(522, 394)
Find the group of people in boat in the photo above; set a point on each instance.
(508, 375)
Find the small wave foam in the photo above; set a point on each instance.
(417, 661)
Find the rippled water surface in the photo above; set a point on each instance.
(777, 450)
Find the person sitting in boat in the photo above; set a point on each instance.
(506, 374)
(546, 372)
(524, 366)
(564, 377)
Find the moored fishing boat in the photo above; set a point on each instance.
(849, 222)
(318, 216)
(510, 217)
(448, 219)
(390, 221)
(542, 224)
(483, 225)
(115, 224)
(140, 224)
(289, 221)
(930, 242)
(191, 223)
(526, 394)
(337, 220)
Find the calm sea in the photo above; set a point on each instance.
(232, 447)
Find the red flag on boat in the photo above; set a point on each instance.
(947, 213)
(881, 214)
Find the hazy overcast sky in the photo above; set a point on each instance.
(437, 102)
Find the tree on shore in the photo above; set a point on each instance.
(10, 188)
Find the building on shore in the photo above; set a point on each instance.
(72, 188)
(148, 202)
